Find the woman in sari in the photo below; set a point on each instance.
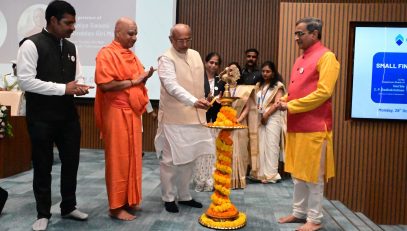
(271, 124)
(244, 140)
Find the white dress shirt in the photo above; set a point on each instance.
(27, 58)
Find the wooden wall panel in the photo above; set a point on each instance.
(229, 27)
(15, 151)
(371, 156)
(90, 134)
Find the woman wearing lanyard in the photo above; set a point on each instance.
(271, 124)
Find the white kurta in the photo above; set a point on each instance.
(178, 145)
(187, 141)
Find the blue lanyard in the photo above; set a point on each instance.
(262, 97)
(234, 91)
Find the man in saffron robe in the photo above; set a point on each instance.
(121, 99)
(309, 145)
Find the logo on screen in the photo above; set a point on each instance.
(399, 39)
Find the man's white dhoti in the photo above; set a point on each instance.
(178, 146)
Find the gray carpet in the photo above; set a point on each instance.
(263, 204)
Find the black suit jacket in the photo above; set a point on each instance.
(219, 87)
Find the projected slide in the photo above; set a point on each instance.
(380, 73)
(95, 21)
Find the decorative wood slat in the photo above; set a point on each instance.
(90, 134)
(231, 27)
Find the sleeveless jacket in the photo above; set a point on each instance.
(54, 65)
(189, 72)
(304, 79)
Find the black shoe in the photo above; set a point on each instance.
(191, 203)
(171, 207)
(3, 198)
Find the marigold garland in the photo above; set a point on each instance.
(226, 117)
(222, 214)
(225, 159)
(221, 208)
(223, 190)
(230, 213)
(221, 146)
(221, 178)
(223, 168)
(217, 199)
(233, 224)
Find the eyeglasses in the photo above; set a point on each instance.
(182, 41)
(299, 33)
(213, 62)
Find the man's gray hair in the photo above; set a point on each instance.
(176, 26)
(312, 24)
(171, 32)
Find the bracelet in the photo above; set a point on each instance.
(131, 83)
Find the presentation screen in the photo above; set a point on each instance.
(95, 21)
(379, 75)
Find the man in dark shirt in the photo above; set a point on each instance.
(251, 74)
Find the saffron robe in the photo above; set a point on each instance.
(118, 117)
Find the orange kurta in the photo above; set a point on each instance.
(118, 117)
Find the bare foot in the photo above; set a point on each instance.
(290, 219)
(133, 208)
(121, 214)
(309, 226)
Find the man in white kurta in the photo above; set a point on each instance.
(181, 138)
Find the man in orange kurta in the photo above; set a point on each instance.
(309, 146)
(121, 98)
